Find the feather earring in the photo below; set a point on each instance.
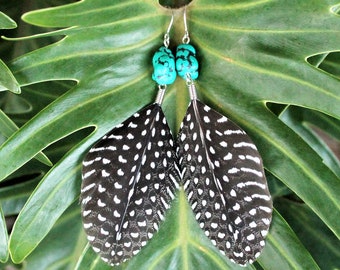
(130, 176)
(222, 173)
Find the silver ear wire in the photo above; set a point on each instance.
(186, 37)
(167, 34)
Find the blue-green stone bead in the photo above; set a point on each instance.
(164, 66)
(186, 62)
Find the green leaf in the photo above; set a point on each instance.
(185, 237)
(316, 60)
(13, 197)
(191, 249)
(68, 242)
(8, 127)
(54, 194)
(276, 187)
(251, 53)
(7, 80)
(4, 238)
(332, 64)
(90, 260)
(6, 22)
(122, 66)
(304, 122)
(179, 244)
(317, 238)
(284, 250)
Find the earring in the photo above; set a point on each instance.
(222, 173)
(130, 176)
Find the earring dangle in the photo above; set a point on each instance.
(222, 173)
(130, 176)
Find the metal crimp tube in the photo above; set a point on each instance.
(191, 86)
(160, 94)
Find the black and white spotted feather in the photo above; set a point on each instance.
(224, 180)
(129, 180)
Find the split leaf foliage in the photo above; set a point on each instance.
(253, 58)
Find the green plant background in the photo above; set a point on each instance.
(272, 66)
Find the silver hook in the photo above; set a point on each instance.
(186, 37)
(167, 34)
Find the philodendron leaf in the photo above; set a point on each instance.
(8, 127)
(13, 197)
(3, 238)
(7, 80)
(180, 239)
(193, 250)
(180, 244)
(251, 53)
(284, 250)
(91, 261)
(62, 246)
(332, 64)
(6, 22)
(317, 238)
(303, 121)
(276, 187)
(55, 193)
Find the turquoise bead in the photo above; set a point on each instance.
(186, 62)
(164, 66)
